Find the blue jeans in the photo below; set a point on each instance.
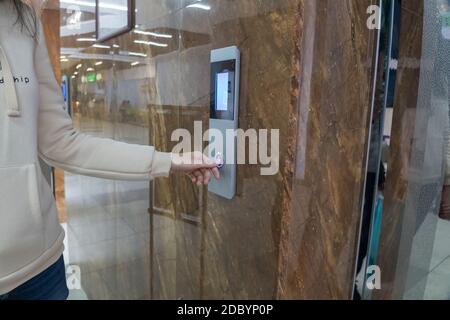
(48, 285)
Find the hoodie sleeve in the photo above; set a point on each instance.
(60, 145)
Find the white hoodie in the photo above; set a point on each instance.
(33, 124)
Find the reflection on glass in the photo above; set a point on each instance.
(408, 231)
(175, 240)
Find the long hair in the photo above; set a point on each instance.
(26, 17)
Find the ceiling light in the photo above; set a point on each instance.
(153, 34)
(99, 63)
(79, 66)
(151, 43)
(199, 6)
(101, 46)
(135, 63)
(131, 53)
(86, 39)
(90, 69)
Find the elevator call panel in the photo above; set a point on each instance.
(224, 111)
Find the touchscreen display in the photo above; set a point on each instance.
(222, 90)
(222, 84)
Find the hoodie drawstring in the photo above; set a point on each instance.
(12, 102)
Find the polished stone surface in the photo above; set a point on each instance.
(211, 260)
(202, 255)
(321, 226)
(291, 235)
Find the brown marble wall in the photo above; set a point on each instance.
(211, 260)
(321, 226)
(282, 236)
(51, 23)
(267, 34)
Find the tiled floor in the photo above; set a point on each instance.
(429, 264)
(438, 280)
(108, 233)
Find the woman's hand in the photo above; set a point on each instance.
(196, 165)
(444, 211)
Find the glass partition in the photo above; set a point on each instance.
(170, 238)
(409, 231)
(309, 76)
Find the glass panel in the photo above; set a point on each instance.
(213, 247)
(308, 69)
(413, 252)
(300, 74)
(139, 88)
(108, 221)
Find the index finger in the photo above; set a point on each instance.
(215, 171)
(208, 163)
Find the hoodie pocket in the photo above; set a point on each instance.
(22, 235)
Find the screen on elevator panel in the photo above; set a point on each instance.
(222, 83)
(223, 75)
